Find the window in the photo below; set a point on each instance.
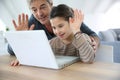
(113, 15)
(2, 26)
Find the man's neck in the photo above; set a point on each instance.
(49, 27)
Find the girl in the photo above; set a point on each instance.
(70, 40)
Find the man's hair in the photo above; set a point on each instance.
(63, 11)
(31, 1)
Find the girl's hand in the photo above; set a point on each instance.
(22, 23)
(76, 21)
(15, 63)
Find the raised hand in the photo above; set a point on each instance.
(76, 21)
(22, 23)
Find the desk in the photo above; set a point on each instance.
(77, 71)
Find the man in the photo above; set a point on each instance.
(39, 20)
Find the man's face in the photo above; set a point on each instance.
(41, 10)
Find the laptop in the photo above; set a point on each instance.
(32, 48)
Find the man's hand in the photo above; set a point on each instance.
(15, 63)
(95, 43)
(22, 23)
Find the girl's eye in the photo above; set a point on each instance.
(53, 27)
(60, 26)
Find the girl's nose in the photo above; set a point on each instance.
(57, 31)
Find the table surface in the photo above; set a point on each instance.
(76, 71)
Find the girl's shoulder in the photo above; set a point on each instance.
(56, 42)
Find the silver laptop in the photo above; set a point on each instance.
(32, 48)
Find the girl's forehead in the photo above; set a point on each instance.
(57, 20)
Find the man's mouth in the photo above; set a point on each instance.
(43, 18)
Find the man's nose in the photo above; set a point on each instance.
(40, 13)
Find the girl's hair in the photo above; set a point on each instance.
(63, 11)
(31, 1)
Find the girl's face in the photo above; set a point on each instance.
(61, 28)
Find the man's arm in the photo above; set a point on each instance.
(94, 38)
(10, 50)
(22, 25)
(85, 29)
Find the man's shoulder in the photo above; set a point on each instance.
(32, 19)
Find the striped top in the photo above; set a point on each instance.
(80, 46)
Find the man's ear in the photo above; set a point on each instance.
(51, 2)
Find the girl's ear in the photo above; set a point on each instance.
(71, 20)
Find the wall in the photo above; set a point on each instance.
(10, 9)
(97, 12)
(94, 11)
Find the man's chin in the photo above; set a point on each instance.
(43, 22)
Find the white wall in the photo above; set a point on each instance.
(104, 21)
(101, 21)
(94, 11)
(10, 9)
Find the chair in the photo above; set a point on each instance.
(2, 43)
(105, 54)
(111, 37)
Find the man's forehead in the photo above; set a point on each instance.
(38, 3)
(32, 1)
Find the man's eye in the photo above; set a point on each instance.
(35, 10)
(43, 7)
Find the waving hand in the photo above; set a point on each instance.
(76, 21)
(22, 23)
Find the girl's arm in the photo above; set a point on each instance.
(83, 43)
